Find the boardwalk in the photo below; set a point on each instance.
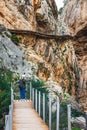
(41, 35)
(26, 118)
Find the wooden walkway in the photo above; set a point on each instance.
(26, 118)
(41, 35)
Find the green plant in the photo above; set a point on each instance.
(76, 113)
(39, 84)
(5, 81)
(16, 39)
(63, 115)
(60, 10)
(74, 128)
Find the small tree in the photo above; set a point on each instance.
(5, 80)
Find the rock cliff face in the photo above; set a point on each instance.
(38, 15)
(12, 58)
(80, 46)
(75, 16)
(55, 59)
(46, 16)
(12, 16)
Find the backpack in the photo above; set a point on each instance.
(22, 84)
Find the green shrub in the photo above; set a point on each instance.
(74, 128)
(39, 84)
(76, 113)
(60, 10)
(63, 116)
(5, 95)
(16, 39)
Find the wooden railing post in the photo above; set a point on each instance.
(57, 115)
(69, 116)
(44, 107)
(50, 112)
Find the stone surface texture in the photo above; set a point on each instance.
(75, 16)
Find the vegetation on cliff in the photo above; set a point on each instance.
(5, 95)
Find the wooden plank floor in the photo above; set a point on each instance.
(26, 118)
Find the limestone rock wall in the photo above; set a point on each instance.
(80, 46)
(12, 58)
(39, 15)
(47, 16)
(75, 15)
(55, 59)
(12, 15)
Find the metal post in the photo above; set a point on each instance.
(36, 99)
(30, 90)
(12, 95)
(10, 118)
(39, 102)
(44, 107)
(6, 118)
(57, 115)
(69, 117)
(86, 120)
(6, 122)
(11, 115)
(33, 96)
(50, 112)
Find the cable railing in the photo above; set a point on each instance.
(41, 100)
(43, 104)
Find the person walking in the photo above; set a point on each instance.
(27, 2)
(22, 86)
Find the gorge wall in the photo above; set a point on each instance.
(40, 15)
(55, 59)
(75, 16)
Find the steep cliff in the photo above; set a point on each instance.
(12, 57)
(80, 46)
(38, 15)
(55, 59)
(13, 17)
(75, 16)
